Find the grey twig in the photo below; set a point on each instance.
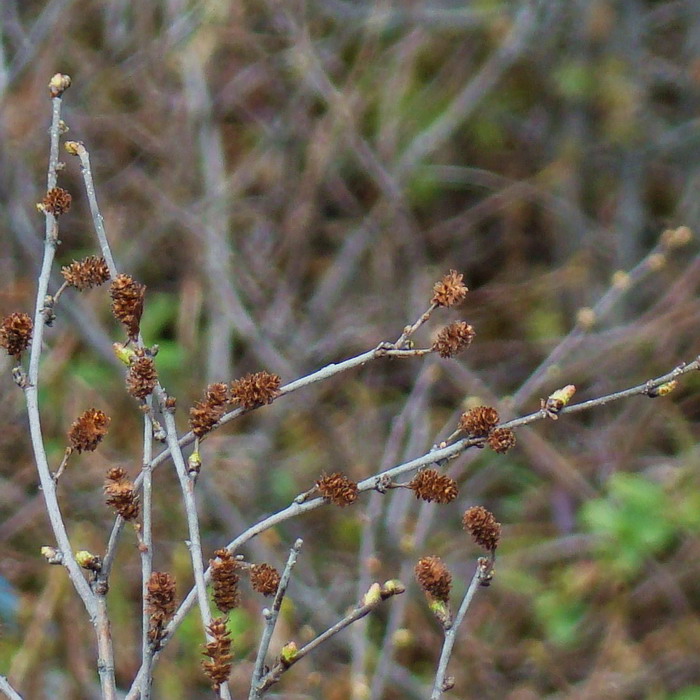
(146, 551)
(438, 455)
(376, 595)
(481, 576)
(194, 544)
(82, 153)
(9, 691)
(271, 616)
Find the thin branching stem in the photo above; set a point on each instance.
(451, 635)
(9, 691)
(438, 455)
(97, 219)
(146, 552)
(91, 600)
(195, 544)
(271, 616)
(372, 600)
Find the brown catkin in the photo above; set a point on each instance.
(482, 526)
(141, 377)
(57, 201)
(255, 389)
(479, 421)
(219, 651)
(204, 415)
(160, 600)
(501, 440)
(120, 494)
(16, 333)
(450, 290)
(434, 578)
(265, 579)
(225, 580)
(87, 273)
(454, 338)
(127, 302)
(87, 430)
(430, 485)
(337, 489)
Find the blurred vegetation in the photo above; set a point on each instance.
(289, 180)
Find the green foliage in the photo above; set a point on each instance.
(634, 521)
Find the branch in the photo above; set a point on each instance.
(9, 691)
(290, 655)
(271, 620)
(481, 577)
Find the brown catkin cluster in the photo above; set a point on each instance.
(127, 302)
(264, 578)
(219, 651)
(479, 421)
(501, 440)
(204, 415)
(225, 580)
(16, 333)
(141, 377)
(255, 389)
(450, 290)
(452, 339)
(482, 526)
(430, 485)
(87, 430)
(120, 494)
(337, 489)
(57, 201)
(434, 578)
(161, 605)
(87, 273)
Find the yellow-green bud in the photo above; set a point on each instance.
(373, 595)
(124, 353)
(289, 653)
(88, 560)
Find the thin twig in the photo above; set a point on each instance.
(372, 599)
(437, 455)
(194, 544)
(87, 595)
(451, 633)
(271, 616)
(9, 691)
(146, 551)
(82, 153)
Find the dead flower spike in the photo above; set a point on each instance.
(337, 489)
(127, 302)
(87, 431)
(450, 290)
(482, 526)
(479, 421)
(430, 485)
(160, 600)
(219, 651)
(57, 201)
(265, 579)
(255, 389)
(454, 338)
(434, 578)
(87, 273)
(16, 333)
(141, 377)
(204, 415)
(501, 440)
(225, 580)
(120, 494)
